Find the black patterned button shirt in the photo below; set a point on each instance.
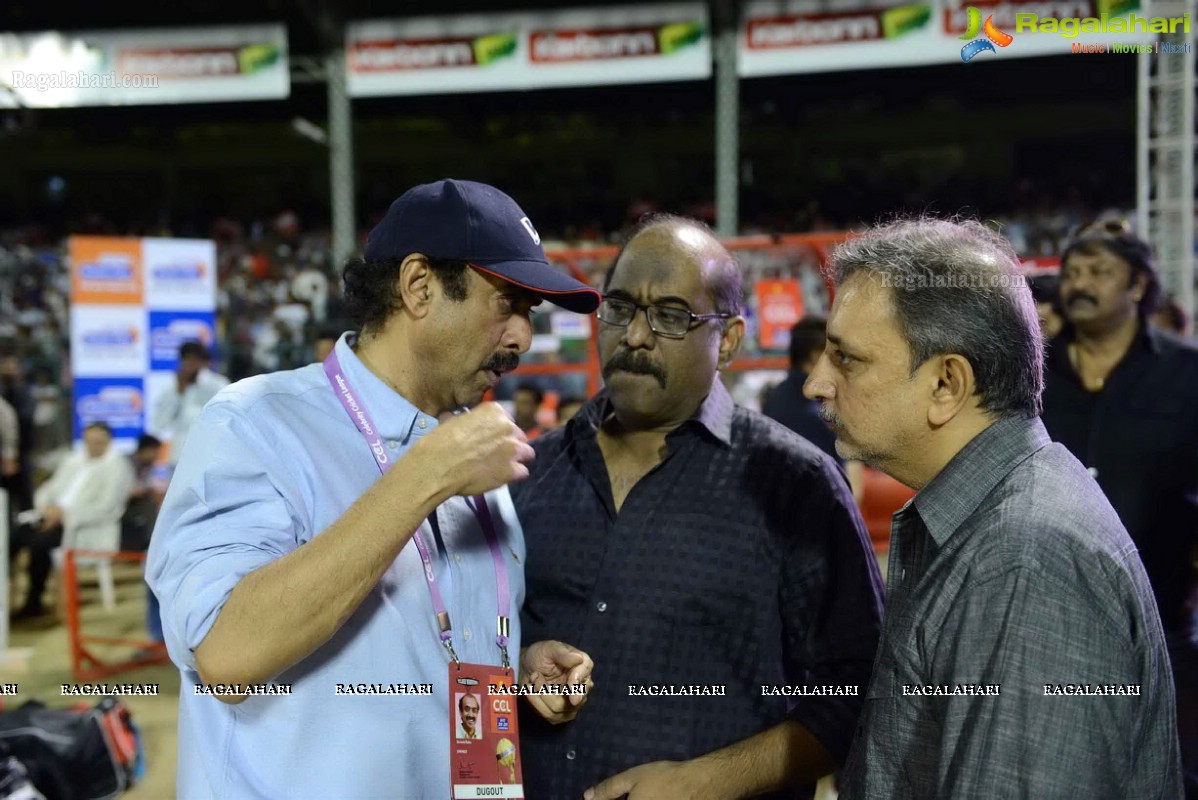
(1019, 623)
(740, 562)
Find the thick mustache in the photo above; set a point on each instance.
(829, 416)
(637, 363)
(502, 361)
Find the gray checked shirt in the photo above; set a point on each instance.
(1021, 653)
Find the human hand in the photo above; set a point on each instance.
(556, 663)
(658, 780)
(52, 516)
(9, 467)
(478, 451)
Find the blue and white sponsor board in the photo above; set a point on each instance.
(134, 303)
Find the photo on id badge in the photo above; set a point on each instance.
(470, 713)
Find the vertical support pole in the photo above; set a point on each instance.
(341, 155)
(726, 29)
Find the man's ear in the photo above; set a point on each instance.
(954, 388)
(1140, 284)
(734, 332)
(413, 285)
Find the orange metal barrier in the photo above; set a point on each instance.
(85, 664)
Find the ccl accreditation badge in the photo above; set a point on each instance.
(484, 747)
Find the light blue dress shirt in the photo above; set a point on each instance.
(271, 462)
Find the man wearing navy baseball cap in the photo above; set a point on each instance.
(337, 532)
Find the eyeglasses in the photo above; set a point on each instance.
(673, 323)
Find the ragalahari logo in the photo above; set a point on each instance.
(993, 34)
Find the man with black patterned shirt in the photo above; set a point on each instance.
(682, 541)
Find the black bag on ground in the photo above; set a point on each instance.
(84, 754)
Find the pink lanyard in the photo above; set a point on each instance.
(361, 418)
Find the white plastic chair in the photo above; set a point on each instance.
(105, 537)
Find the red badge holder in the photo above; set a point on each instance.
(484, 744)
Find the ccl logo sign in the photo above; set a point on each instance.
(993, 36)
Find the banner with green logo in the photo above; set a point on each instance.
(506, 51)
(144, 67)
(781, 37)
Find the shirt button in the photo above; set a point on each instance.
(1093, 471)
(601, 606)
(423, 423)
(457, 557)
(466, 634)
(570, 754)
(393, 445)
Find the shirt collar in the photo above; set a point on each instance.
(393, 415)
(714, 414)
(955, 493)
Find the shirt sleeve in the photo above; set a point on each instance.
(831, 601)
(225, 515)
(1022, 630)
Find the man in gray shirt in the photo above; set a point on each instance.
(1021, 651)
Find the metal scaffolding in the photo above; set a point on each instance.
(1165, 154)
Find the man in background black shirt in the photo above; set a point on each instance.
(688, 544)
(786, 402)
(1121, 395)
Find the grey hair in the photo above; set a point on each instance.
(956, 287)
(727, 283)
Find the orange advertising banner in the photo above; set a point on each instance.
(106, 270)
(779, 307)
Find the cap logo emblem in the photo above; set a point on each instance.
(527, 223)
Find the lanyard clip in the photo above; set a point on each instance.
(449, 646)
(502, 631)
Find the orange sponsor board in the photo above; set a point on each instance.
(779, 307)
(105, 270)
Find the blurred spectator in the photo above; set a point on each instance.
(195, 385)
(786, 403)
(79, 507)
(567, 407)
(325, 341)
(144, 497)
(1121, 395)
(1171, 317)
(311, 286)
(51, 421)
(1045, 291)
(527, 400)
(10, 440)
(14, 390)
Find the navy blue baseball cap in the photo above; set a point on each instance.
(454, 220)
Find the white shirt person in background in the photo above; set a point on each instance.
(195, 385)
(80, 506)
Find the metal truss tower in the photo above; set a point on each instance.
(1165, 151)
